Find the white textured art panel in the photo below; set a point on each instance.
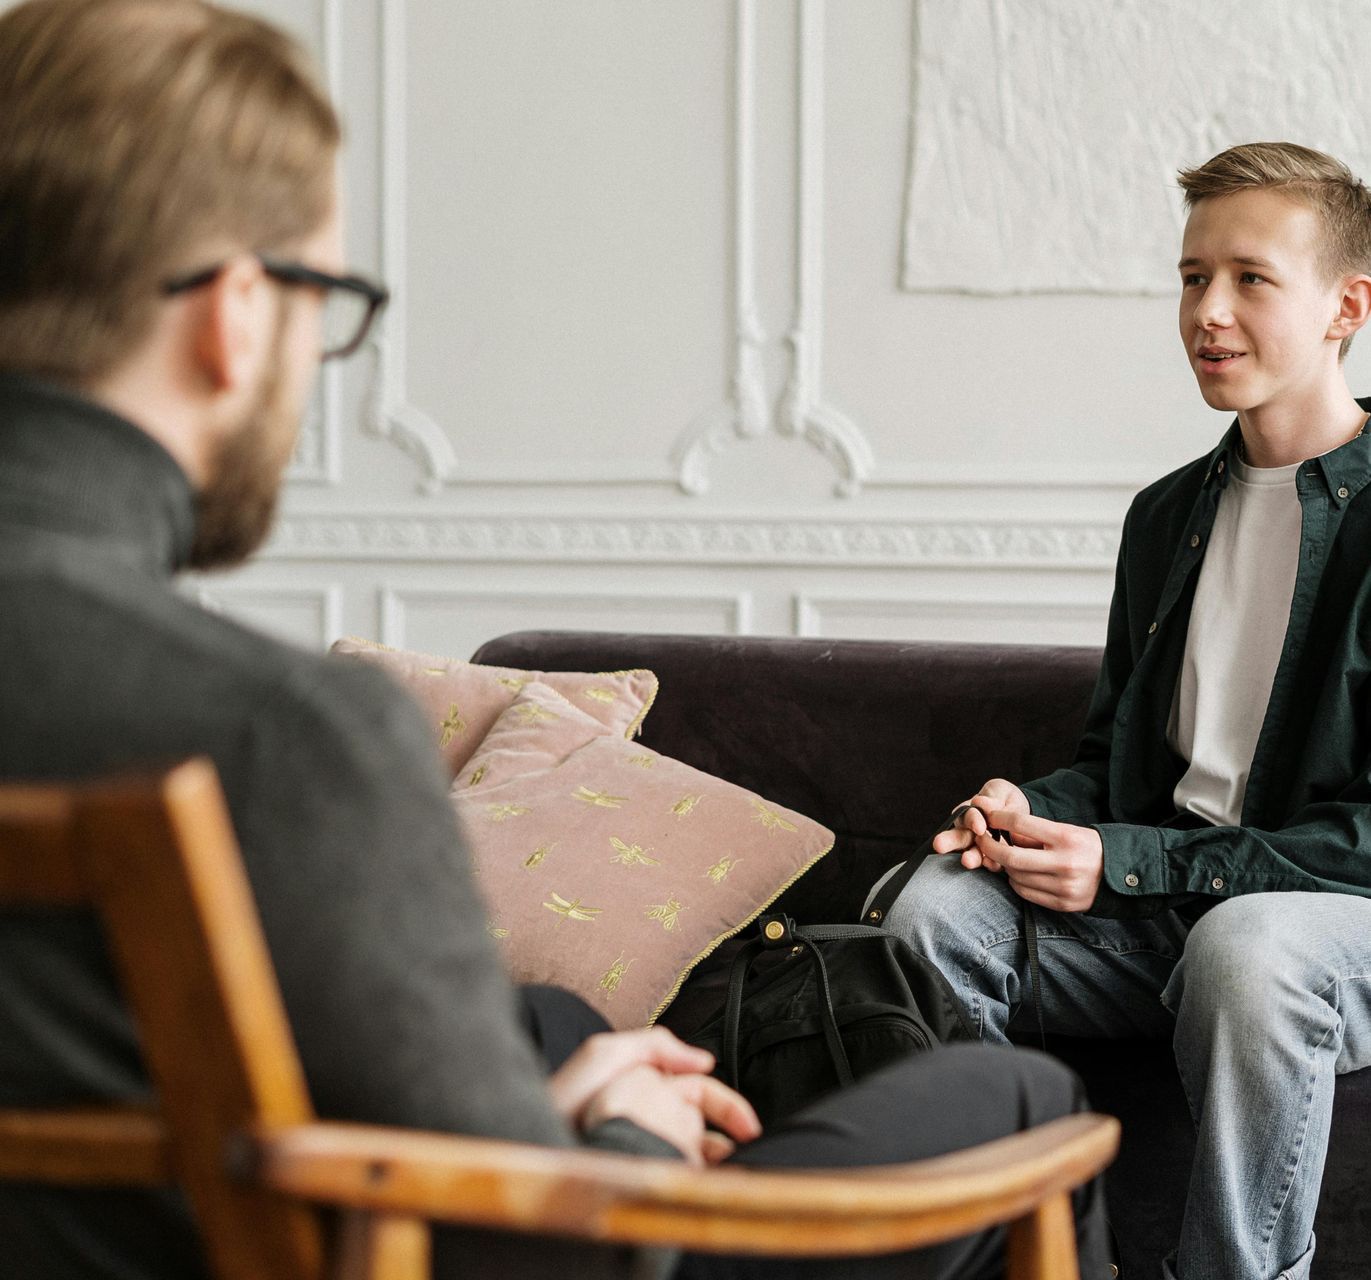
(1046, 136)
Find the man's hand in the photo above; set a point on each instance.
(998, 795)
(686, 1110)
(661, 1084)
(1052, 864)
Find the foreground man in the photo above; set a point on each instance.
(170, 273)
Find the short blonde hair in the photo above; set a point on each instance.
(1324, 184)
(134, 135)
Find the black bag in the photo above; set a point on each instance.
(828, 1005)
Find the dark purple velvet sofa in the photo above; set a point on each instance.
(877, 740)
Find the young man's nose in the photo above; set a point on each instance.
(1213, 311)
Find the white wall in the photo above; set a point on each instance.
(654, 362)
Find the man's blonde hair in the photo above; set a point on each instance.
(134, 136)
(1325, 185)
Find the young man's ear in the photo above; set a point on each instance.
(1354, 307)
(232, 325)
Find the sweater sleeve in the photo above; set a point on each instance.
(400, 1005)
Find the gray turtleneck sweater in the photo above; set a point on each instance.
(399, 1005)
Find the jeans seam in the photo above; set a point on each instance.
(1096, 944)
(1283, 1195)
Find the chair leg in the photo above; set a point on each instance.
(373, 1246)
(1042, 1246)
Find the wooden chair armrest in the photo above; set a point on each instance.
(628, 1199)
(86, 1146)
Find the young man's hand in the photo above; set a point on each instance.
(998, 795)
(661, 1084)
(1052, 864)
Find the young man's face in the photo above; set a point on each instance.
(1255, 308)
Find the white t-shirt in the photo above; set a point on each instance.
(1237, 631)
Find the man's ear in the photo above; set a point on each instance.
(232, 325)
(1354, 307)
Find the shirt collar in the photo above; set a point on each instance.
(1346, 470)
(74, 468)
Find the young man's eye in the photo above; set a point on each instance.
(1251, 277)
(1191, 282)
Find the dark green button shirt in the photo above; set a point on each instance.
(1306, 820)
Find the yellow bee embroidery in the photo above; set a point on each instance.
(600, 694)
(477, 775)
(496, 932)
(632, 855)
(770, 819)
(499, 812)
(535, 858)
(721, 868)
(599, 799)
(512, 683)
(685, 806)
(614, 975)
(666, 912)
(571, 910)
(452, 726)
(643, 762)
(531, 713)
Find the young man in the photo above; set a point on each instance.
(170, 273)
(1200, 871)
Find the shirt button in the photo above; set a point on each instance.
(1342, 493)
(1194, 539)
(1220, 467)
(1216, 882)
(1152, 628)
(1131, 880)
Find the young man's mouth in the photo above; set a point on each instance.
(1216, 358)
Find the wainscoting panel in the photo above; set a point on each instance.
(454, 623)
(311, 617)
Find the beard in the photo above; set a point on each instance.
(235, 508)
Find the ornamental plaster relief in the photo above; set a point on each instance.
(587, 539)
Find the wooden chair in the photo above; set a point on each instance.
(157, 859)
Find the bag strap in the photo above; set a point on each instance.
(769, 936)
(891, 889)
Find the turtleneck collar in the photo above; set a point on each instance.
(73, 468)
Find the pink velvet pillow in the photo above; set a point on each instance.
(461, 700)
(609, 869)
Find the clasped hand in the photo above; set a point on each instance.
(1051, 864)
(661, 1084)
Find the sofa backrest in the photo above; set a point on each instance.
(875, 739)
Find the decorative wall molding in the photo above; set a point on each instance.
(694, 540)
(390, 415)
(725, 613)
(1009, 620)
(318, 452)
(253, 603)
(746, 414)
(803, 412)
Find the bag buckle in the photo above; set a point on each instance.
(776, 931)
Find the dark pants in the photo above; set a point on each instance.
(927, 1105)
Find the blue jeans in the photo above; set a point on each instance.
(1266, 998)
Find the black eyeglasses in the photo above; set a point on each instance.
(351, 304)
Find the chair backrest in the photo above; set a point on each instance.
(162, 849)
